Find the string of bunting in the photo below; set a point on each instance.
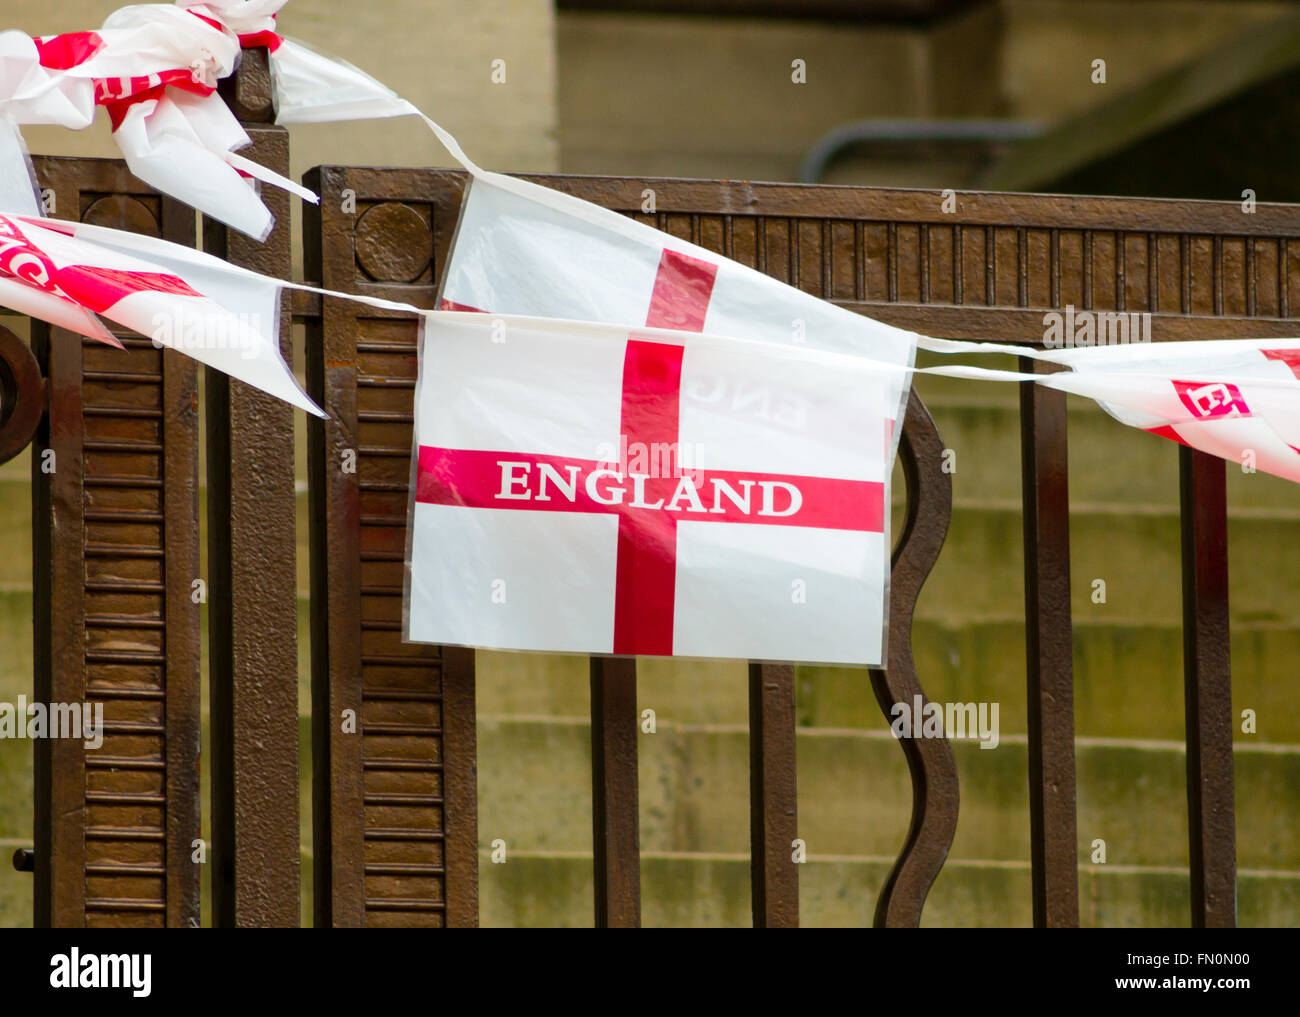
(569, 340)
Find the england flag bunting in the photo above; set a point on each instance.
(71, 273)
(154, 69)
(624, 442)
(590, 488)
(530, 251)
(1236, 399)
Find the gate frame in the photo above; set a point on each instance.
(987, 272)
(1202, 269)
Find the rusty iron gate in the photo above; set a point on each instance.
(394, 806)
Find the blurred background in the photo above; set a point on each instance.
(1166, 98)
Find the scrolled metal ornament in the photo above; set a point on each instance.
(22, 395)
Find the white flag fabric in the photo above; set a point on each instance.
(222, 316)
(1236, 399)
(19, 194)
(530, 250)
(311, 88)
(155, 68)
(527, 250)
(590, 488)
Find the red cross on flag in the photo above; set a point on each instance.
(528, 250)
(587, 488)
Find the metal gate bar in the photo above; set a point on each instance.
(1207, 676)
(773, 794)
(614, 793)
(253, 614)
(395, 789)
(1049, 654)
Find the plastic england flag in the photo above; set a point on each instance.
(586, 488)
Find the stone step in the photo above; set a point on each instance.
(855, 795)
(980, 572)
(15, 828)
(549, 890)
(15, 888)
(1110, 463)
(853, 808)
(1128, 681)
(16, 532)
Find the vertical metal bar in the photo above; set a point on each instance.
(1153, 274)
(924, 245)
(793, 268)
(1054, 255)
(460, 786)
(1207, 678)
(860, 262)
(1121, 271)
(773, 796)
(891, 258)
(1283, 279)
(1048, 651)
(1022, 266)
(338, 849)
(1251, 279)
(182, 638)
(958, 266)
(990, 267)
(614, 804)
(59, 594)
(253, 613)
(828, 261)
(1088, 295)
